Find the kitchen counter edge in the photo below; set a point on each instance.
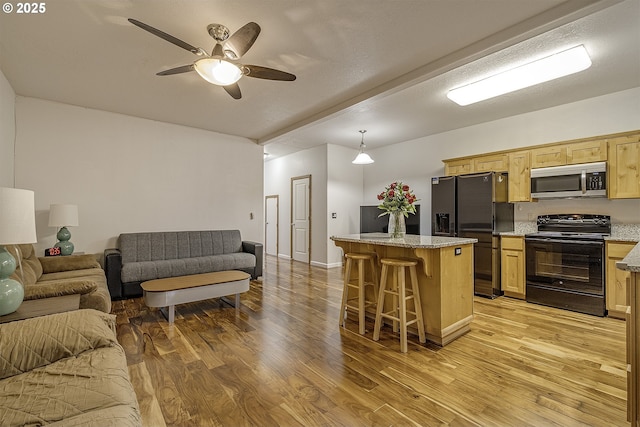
(409, 241)
(632, 261)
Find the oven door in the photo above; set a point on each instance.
(566, 273)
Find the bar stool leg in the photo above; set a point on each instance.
(345, 292)
(361, 300)
(402, 287)
(396, 302)
(375, 279)
(417, 304)
(383, 286)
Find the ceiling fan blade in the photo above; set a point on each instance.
(177, 70)
(267, 73)
(167, 37)
(233, 90)
(242, 40)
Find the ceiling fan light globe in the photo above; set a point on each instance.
(218, 71)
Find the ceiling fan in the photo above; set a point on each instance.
(220, 68)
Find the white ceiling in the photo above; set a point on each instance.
(380, 65)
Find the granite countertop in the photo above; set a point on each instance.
(408, 241)
(521, 228)
(625, 232)
(632, 261)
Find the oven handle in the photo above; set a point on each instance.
(548, 240)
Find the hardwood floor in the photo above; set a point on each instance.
(282, 360)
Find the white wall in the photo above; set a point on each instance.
(277, 181)
(336, 187)
(128, 174)
(617, 112)
(344, 197)
(7, 131)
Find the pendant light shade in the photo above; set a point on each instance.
(362, 158)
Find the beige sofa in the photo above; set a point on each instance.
(46, 277)
(65, 369)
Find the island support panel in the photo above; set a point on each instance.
(445, 278)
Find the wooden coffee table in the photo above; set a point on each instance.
(197, 287)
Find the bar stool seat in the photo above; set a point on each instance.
(359, 296)
(401, 295)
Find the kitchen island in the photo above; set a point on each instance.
(445, 276)
(631, 263)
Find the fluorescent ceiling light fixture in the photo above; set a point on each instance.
(551, 67)
(218, 71)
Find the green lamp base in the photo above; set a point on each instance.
(11, 291)
(66, 247)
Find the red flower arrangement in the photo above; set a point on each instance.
(397, 197)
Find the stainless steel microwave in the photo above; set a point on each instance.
(583, 180)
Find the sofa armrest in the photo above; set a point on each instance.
(33, 343)
(112, 268)
(67, 263)
(51, 289)
(256, 249)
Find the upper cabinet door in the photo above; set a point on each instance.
(587, 152)
(520, 176)
(458, 167)
(548, 156)
(492, 163)
(623, 176)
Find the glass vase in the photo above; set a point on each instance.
(397, 226)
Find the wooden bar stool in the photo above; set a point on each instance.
(359, 285)
(401, 295)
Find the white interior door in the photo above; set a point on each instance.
(300, 210)
(271, 225)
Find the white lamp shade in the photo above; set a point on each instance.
(362, 159)
(63, 215)
(17, 216)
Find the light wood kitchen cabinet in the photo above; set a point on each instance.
(555, 155)
(621, 151)
(458, 167)
(495, 162)
(512, 261)
(623, 177)
(586, 152)
(519, 176)
(616, 282)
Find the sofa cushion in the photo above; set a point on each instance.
(40, 341)
(92, 385)
(156, 246)
(68, 263)
(27, 264)
(149, 270)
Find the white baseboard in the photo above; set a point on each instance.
(314, 263)
(325, 265)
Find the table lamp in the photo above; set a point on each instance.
(17, 226)
(63, 216)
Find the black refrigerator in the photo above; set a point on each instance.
(474, 206)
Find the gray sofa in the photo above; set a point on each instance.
(147, 256)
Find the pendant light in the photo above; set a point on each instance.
(362, 158)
